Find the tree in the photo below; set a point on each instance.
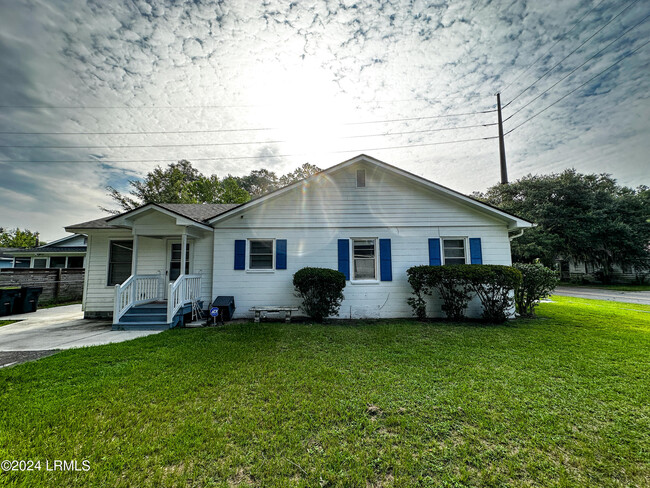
(19, 238)
(178, 183)
(261, 181)
(182, 183)
(586, 218)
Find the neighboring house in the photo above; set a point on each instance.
(580, 271)
(6, 257)
(68, 252)
(368, 219)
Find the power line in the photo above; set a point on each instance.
(241, 143)
(551, 48)
(251, 157)
(577, 88)
(572, 52)
(196, 107)
(199, 131)
(575, 69)
(211, 131)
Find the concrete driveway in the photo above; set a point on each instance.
(642, 297)
(54, 329)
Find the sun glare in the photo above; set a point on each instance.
(303, 104)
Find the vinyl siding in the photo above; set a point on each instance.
(313, 221)
(335, 201)
(152, 259)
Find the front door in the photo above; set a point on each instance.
(174, 260)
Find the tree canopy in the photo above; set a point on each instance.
(19, 238)
(586, 218)
(182, 183)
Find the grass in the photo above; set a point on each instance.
(562, 400)
(627, 287)
(7, 322)
(54, 303)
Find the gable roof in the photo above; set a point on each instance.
(208, 213)
(515, 221)
(197, 212)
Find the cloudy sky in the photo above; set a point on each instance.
(96, 93)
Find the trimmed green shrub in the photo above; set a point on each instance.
(456, 284)
(418, 278)
(493, 284)
(321, 290)
(454, 289)
(537, 282)
(447, 280)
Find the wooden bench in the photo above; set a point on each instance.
(270, 309)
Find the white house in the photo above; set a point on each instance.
(366, 218)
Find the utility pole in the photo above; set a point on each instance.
(502, 146)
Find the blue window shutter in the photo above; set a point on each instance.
(344, 257)
(240, 254)
(475, 250)
(280, 254)
(385, 266)
(434, 252)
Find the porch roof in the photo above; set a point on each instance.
(200, 213)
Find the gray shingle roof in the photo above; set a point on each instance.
(56, 249)
(199, 212)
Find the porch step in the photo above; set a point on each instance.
(142, 326)
(144, 317)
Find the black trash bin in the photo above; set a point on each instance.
(226, 306)
(28, 300)
(8, 298)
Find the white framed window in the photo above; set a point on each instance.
(364, 259)
(454, 250)
(119, 261)
(39, 263)
(57, 262)
(22, 262)
(261, 254)
(361, 178)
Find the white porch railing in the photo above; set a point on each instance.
(135, 290)
(186, 288)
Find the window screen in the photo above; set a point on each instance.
(363, 251)
(75, 261)
(261, 254)
(454, 251)
(57, 262)
(22, 262)
(119, 262)
(40, 263)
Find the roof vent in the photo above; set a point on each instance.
(361, 178)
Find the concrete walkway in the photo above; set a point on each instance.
(642, 297)
(60, 328)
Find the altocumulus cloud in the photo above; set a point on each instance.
(327, 79)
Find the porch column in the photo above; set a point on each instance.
(134, 257)
(183, 251)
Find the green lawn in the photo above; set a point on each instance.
(558, 401)
(7, 322)
(611, 287)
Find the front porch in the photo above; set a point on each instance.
(164, 283)
(140, 305)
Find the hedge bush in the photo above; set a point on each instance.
(321, 290)
(537, 282)
(493, 284)
(455, 284)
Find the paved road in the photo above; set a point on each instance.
(54, 329)
(642, 297)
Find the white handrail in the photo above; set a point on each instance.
(186, 288)
(134, 290)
